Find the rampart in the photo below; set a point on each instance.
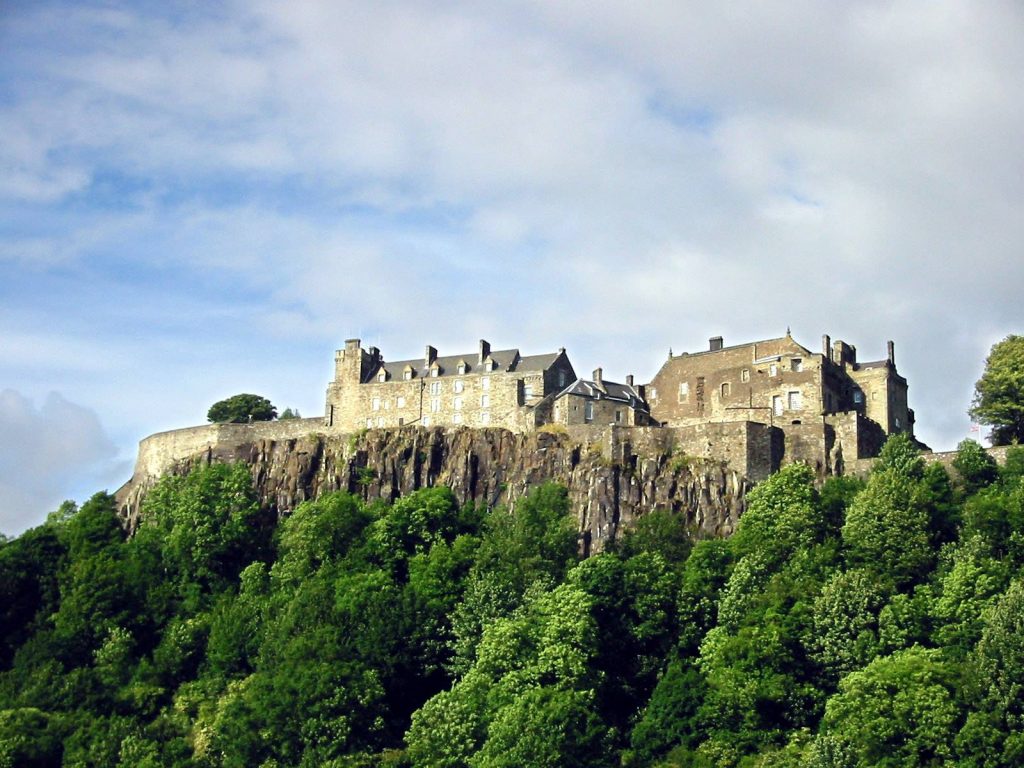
(160, 451)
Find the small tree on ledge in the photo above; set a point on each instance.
(240, 409)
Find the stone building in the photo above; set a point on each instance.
(599, 401)
(486, 388)
(827, 404)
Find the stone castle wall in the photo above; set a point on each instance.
(613, 475)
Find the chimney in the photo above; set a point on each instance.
(715, 343)
(429, 356)
(892, 353)
(485, 351)
(629, 380)
(826, 346)
(597, 378)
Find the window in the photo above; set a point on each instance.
(745, 375)
(387, 403)
(684, 391)
(726, 389)
(369, 423)
(561, 378)
(457, 418)
(380, 421)
(435, 371)
(382, 376)
(435, 387)
(400, 402)
(618, 417)
(777, 405)
(654, 394)
(588, 411)
(485, 401)
(858, 397)
(528, 391)
(896, 421)
(485, 417)
(435, 404)
(773, 370)
(796, 365)
(408, 375)
(426, 421)
(457, 386)
(457, 403)
(375, 404)
(485, 383)
(796, 401)
(462, 369)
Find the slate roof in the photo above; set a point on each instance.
(775, 341)
(623, 393)
(448, 365)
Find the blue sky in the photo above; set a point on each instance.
(199, 199)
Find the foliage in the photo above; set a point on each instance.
(999, 393)
(242, 408)
(873, 623)
(901, 456)
(899, 710)
(290, 413)
(887, 531)
(974, 466)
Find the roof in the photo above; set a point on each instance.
(448, 365)
(610, 390)
(776, 341)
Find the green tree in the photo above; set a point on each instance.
(974, 466)
(242, 408)
(902, 456)
(999, 393)
(290, 413)
(898, 711)
(846, 621)
(994, 732)
(886, 529)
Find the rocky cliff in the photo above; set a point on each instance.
(613, 476)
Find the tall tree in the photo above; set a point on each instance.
(999, 393)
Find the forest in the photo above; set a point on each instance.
(858, 622)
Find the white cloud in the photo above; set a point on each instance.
(45, 456)
(557, 173)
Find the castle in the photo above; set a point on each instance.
(758, 404)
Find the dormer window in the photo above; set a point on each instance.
(408, 376)
(382, 376)
(434, 371)
(408, 373)
(462, 369)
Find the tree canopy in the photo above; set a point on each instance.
(999, 393)
(876, 623)
(242, 408)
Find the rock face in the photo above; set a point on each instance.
(611, 482)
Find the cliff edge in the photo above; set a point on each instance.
(614, 475)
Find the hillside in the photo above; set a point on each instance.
(859, 623)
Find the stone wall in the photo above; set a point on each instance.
(613, 475)
(945, 458)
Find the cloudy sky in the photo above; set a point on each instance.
(199, 198)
